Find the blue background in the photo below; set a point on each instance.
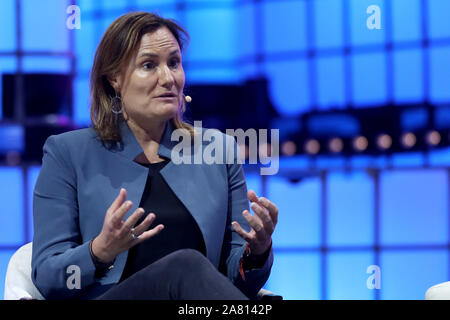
(318, 55)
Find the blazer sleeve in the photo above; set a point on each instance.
(234, 245)
(61, 264)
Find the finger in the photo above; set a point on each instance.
(256, 224)
(118, 215)
(118, 201)
(247, 236)
(263, 214)
(150, 233)
(251, 195)
(273, 209)
(131, 221)
(262, 201)
(144, 225)
(254, 198)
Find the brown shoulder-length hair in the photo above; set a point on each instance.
(119, 43)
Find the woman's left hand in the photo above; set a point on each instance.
(262, 223)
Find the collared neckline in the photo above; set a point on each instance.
(131, 147)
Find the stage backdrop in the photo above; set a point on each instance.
(345, 219)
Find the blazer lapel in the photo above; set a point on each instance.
(192, 187)
(187, 181)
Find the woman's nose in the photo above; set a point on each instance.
(165, 76)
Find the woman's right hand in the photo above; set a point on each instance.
(117, 235)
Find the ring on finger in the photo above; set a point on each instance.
(133, 235)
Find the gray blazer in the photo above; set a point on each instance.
(80, 178)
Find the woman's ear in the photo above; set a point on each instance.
(115, 82)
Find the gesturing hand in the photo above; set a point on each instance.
(118, 235)
(262, 223)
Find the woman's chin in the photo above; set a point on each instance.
(160, 112)
(165, 108)
(165, 113)
(169, 112)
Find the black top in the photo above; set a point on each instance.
(180, 229)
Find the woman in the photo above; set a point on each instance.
(115, 218)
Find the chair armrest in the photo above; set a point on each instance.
(439, 291)
(267, 295)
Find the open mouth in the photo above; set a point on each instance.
(167, 96)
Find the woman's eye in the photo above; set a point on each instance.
(148, 65)
(174, 63)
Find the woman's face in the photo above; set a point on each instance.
(152, 86)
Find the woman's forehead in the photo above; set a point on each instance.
(161, 39)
